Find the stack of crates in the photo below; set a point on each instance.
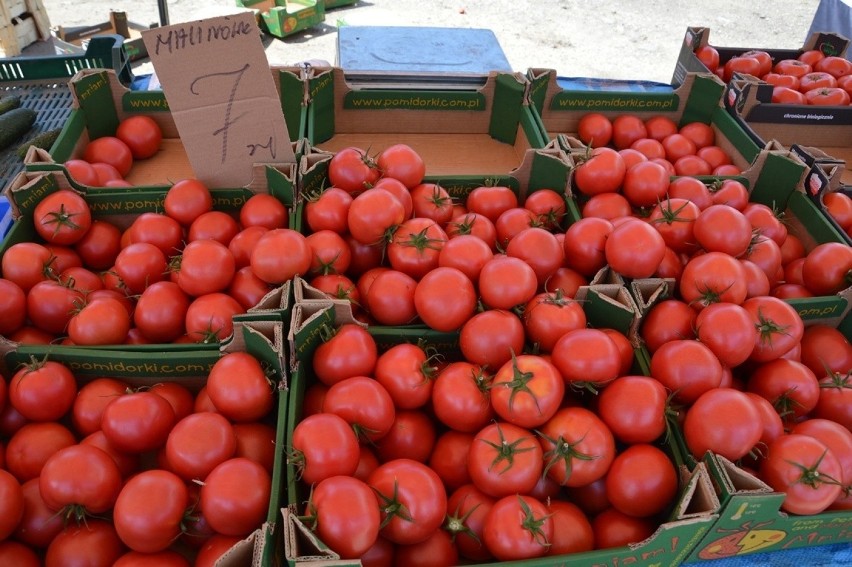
(22, 22)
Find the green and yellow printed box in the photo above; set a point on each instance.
(29, 188)
(283, 18)
(476, 130)
(100, 102)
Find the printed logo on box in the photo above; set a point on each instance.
(814, 183)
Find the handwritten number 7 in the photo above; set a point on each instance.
(238, 75)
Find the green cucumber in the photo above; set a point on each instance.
(44, 141)
(14, 124)
(7, 103)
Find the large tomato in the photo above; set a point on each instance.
(42, 391)
(728, 331)
(239, 388)
(490, 337)
(687, 368)
(586, 358)
(527, 390)
(27, 263)
(445, 298)
(507, 281)
(594, 129)
(415, 246)
(138, 422)
(270, 265)
(324, 445)
(346, 515)
(642, 481)
(634, 408)
(62, 217)
(78, 480)
(51, 304)
(722, 420)
(518, 527)
(364, 403)
(549, 315)
(406, 371)
(187, 200)
(584, 245)
(779, 327)
(198, 443)
(328, 210)
(149, 510)
(645, 184)
(711, 278)
(100, 322)
(235, 497)
(38, 524)
(141, 134)
(412, 436)
(210, 318)
(790, 386)
(402, 162)
(805, 470)
(579, 447)
(722, 228)
(467, 509)
(666, 321)
(139, 265)
(330, 253)
(505, 459)
(350, 351)
(572, 531)
(94, 542)
(461, 397)
(100, 245)
(412, 500)
(11, 504)
(475, 224)
(491, 201)
(160, 230)
(538, 248)
(160, 312)
(390, 298)
(827, 267)
(32, 445)
(635, 249)
(206, 266)
(352, 170)
(602, 172)
(673, 218)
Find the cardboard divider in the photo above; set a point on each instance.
(826, 174)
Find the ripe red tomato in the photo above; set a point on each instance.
(141, 134)
(827, 96)
(350, 351)
(13, 307)
(722, 420)
(474, 224)
(82, 172)
(106, 174)
(235, 497)
(149, 510)
(445, 298)
(626, 129)
(112, 151)
(346, 513)
(673, 218)
(372, 214)
(11, 504)
(352, 170)
(836, 437)
(412, 436)
(198, 443)
(32, 445)
(238, 387)
(42, 391)
(187, 200)
(406, 371)
(365, 405)
(584, 245)
(412, 500)
(800, 466)
(80, 475)
(634, 408)
(527, 391)
(825, 348)
(461, 397)
(687, 368)
(711, 278)
(642, 481)
(449, 458)
(679, 145)
(160, 313)
(548, 316)
(432, 201)
(635, 249)
(264, 210)
(826, 268)
(100, 322)
(779, 327)
(324, 445)
(271, 266)
(594, 129)
(138, 422)
(62, 217)
(507, 281)
(603, 172)
(93, 542)
(708, 55)
(834, 65)
(505, 459)
(518, 527)
(402, 162)
(328, 210)
(666, 321)
(490, 337)
(649, 147)
(578, 447)
(587, 358)
(491, 201)
(728, 331)
(699, 133)
(415, 245)
(608, 206)
(790, 386)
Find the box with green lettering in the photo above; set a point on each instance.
(100, 102)
(464, 130)
(263, 341)
(120, 210)
(314, 319)
(283, 18)
(696, 100)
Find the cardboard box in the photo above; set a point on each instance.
(483, 131)
(825, 175)
(696, 100)
(26, 190)
(283, 18)
(119, 24)
(750, 101)
(751, 521)
(670, 544)
(695, 37)
(101, 102)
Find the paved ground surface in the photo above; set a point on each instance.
(622, 39)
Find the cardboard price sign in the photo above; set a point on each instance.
(216, 79)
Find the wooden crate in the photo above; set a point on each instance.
(22, 22)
